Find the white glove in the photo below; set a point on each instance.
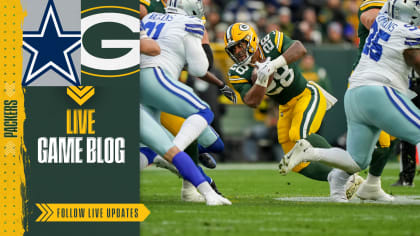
(265, 70)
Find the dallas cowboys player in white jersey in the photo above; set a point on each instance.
(378, 98)
(179, 36)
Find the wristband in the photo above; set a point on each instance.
(262, 82)
(279, 62)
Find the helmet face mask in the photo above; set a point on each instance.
(407, 11)
(241, 56)
(186, 7)
(240, 43)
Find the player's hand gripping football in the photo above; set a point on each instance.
(264, 71)
(229, 93)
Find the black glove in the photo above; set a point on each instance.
(228, 92)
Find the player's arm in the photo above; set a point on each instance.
(254, 96)
(265, 69)
(143, 8)
(293, 53)
(368, 17)
(195, 56)
(148, 46)
(412, 58)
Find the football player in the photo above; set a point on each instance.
(179, 35)
(378, 97)
(302, 104)
(208, 141)
(368, 11)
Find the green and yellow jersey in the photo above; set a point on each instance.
(362, 31)
(288, 81)
(154, 5)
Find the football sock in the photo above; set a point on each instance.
(149, 154)
(216, 147)
(190, 130)
(208, 179)
(336, 157)
(187, 168)
(373, 180)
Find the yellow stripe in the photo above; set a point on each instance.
(300, 167)
(101, 7)
(276, 39)
(110, 76)
(261, 52)
(234, 77)
(145, 2)
(238, 81)
(13, 155)
(373, 4)
(281, 42)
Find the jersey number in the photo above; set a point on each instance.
(150, 28)
(285, 79)
(240, 69)
(266, 44)
(373, 48)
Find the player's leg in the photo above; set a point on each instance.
(188, 192)
(307, 115)
(208, 141)
(152, 135)
(304, 119)
(172, 96)
(380, 154)
(408, 165)
(289, 131)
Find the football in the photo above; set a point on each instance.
(254, 77)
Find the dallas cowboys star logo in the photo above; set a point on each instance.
(50, 48)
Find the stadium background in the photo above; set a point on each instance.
(328, 29)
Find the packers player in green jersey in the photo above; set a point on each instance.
(302, 104)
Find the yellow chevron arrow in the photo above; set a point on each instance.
(80, 94)
(46, 212)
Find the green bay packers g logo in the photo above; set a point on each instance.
(110, 41)
(243, 27)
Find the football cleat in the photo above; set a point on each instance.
(403, 182)
(162, 163)
(338, 180)
(373, 192)
(207, 160)
(216, 200)
(298, 154)
(189, 193)
(353, 185)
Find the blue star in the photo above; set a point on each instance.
(50, 48)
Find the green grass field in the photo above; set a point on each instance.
(252, 188)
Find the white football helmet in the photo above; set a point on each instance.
(405, 10)
(186, 7)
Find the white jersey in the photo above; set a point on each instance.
(382, 62)
(179, 38)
